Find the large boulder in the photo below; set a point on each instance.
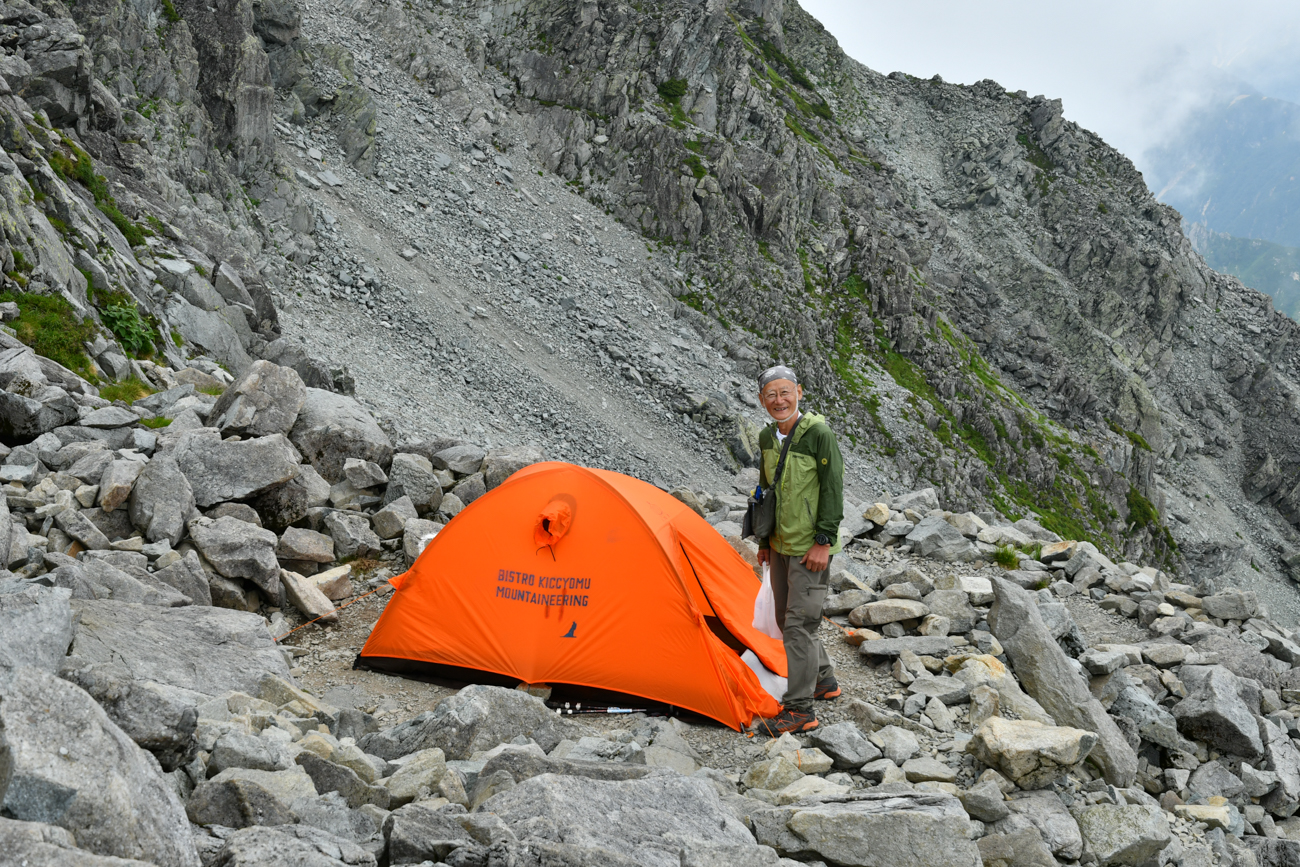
(660, 819)
(238, 549)
(1215, 711)
(1029, 753)
(1131, 834)
(24, 417)
(265, 400)
(207, 651)
(220, 470)
(160, 719)
(289, 503)
(332, 428)
(419, 833)
(98, 579)
(64, 762)
(476, 718)
(35, 627)
(937, 539)
(1046, 674)
(412, 476)
(162, 501)
(873, 829)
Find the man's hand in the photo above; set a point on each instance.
(817, 558)
(762, 556)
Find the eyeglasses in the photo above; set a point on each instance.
(785, 393)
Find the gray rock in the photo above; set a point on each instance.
(416, 535)
(23, 417)
(984, 801)
(79, 527)
(91, 466)
(955, 605)
(937, 539)
(35, 844)
(1284, 757)
(110, 417)
(500, 464)
(845, 744)
(158, 718)
(186, 575)
(364, 474)
(921, 502)
(1129, 834)
(237, 549)
(1153, 722)
(36, 625)
(1024, 848)
(352, 535)
(1212, 779)
(462, 459)
(239, 749)
(162, 501)
(470, 488)
(663, 818)
(220, 470)
(332, 428)
(921, 645)
(880, 829)
(476, 718)
(330, 776)
(264, 400)
(1271, 852)
(289, 503)
(70, 766)
(236, 802)
(207, 651)
(1232, 604)
(412, 476)
(221, 332)
(1215, 712)
(1046, 674)
(99, 580)
(390, 521)
(299, 544)
(418, 833)
(117, 481)
(1044, 812)
(296, 845)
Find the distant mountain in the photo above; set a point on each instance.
(1235, 168)
(1271, 268)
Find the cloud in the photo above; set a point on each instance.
(1130, 71)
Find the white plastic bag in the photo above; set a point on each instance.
(765, 609)
(773, 684)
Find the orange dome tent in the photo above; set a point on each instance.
(573, 576)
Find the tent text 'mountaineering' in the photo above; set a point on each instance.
(573, 576)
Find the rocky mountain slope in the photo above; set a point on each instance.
(578, 231)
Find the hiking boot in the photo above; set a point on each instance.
(827, 689)
(788, 720)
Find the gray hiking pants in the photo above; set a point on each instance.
(799, 595)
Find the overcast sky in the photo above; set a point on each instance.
(1128, 70)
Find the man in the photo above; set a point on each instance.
(809, 507)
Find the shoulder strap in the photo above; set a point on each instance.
(785, 447)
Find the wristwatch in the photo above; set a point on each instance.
(822, 539)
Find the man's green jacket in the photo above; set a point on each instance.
(810, 497)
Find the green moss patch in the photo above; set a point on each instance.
(51, 327)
